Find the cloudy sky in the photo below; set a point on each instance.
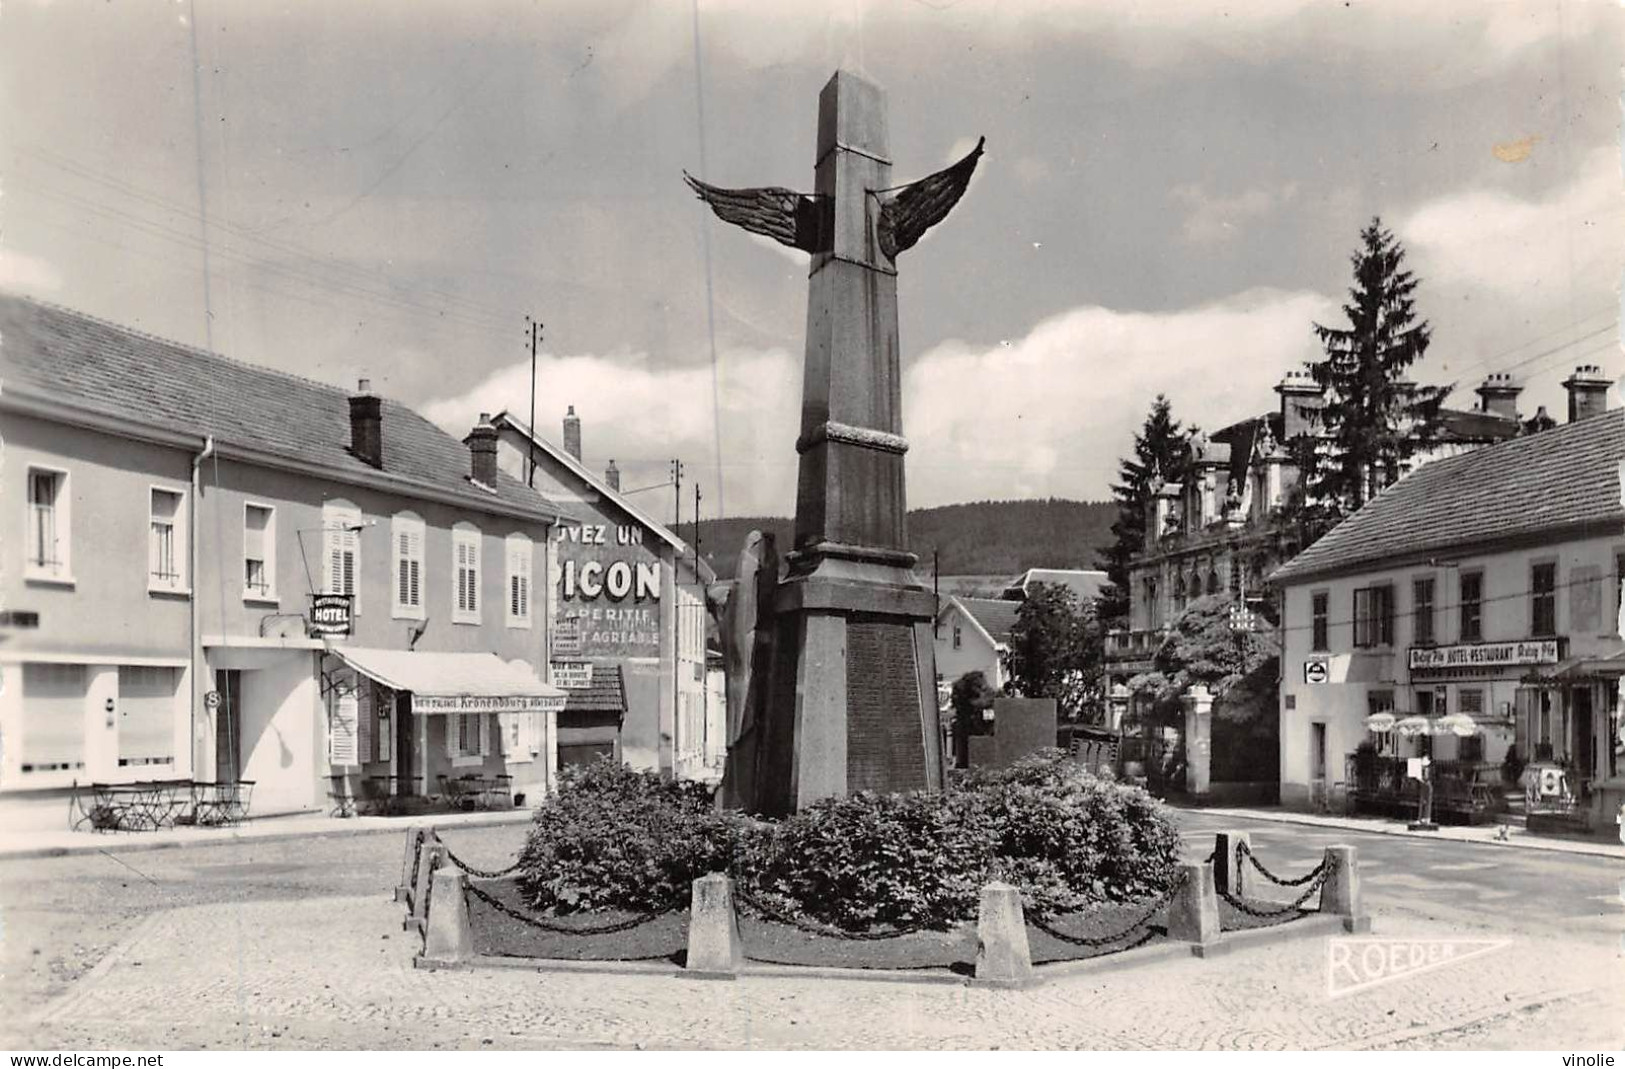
(1169, 198)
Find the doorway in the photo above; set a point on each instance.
(228, 726)
(1585, 742)
(406, 782)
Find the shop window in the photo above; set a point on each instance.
(53, 723)
(1472, 606)
(146, 716)
(1470, 748)
(166, 541)
(1470, 701)
(407, 533)
(259, 552)
(341, 551)
(1422, 611)
(465, 544)
(1319, 605)
(48, 507)
(1374, 616)
(465, 737)
(1382, 701)
(1543, 599)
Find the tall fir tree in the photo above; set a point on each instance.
(1374, 419)
(1161, 448)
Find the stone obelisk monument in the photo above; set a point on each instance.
(850, 703)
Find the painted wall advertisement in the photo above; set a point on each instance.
(607, 588)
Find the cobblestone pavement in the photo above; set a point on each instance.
(298, 946)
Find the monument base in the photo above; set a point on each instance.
(852, 702)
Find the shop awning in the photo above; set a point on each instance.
(456, 682)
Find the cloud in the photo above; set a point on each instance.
(1051, 412)
(1045, 414)
(642, 415)
(1214, 218)
(1543, 270)
(1527, 250)
(28, 274)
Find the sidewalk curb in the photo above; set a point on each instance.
(1526, 842)
(105, 845)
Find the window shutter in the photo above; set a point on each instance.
(415, 587)
(366, 723)
(341, 737)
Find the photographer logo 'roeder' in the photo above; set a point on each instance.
(1354, 965)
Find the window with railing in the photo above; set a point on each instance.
(47, 524)
(1422, 611)
(166, 552)
(259, 544)
(1543, 599)
(1472, 606)
(1374, 616)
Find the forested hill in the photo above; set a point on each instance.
(982, 538)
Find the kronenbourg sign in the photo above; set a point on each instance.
(1486, 654)
(483, 703)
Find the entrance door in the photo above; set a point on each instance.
(406, 768)
(1317, 751)
(1585, 742)
(228, 740)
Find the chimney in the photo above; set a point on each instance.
(612, 475)
(482, 451)
(1498, 395)
(1301, 402)
(1588, 392)
(572, 433)
(367, 425)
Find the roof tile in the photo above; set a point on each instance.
(1566, 476)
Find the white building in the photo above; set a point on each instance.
(1486, 584)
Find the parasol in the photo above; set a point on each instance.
(1380, 722)
(1414, 725)
(1458, 724)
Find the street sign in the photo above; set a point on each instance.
(1317, 670)
(211, 700)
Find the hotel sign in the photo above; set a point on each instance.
(1486, 654)
(330, 614)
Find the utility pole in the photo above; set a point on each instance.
(699, 625)
(534, 329)
(677, 495)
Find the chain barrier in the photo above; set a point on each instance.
(566, 929)
(1037, 921)
(1243, 850)
(483, 874)
(813, 928)
(1317, 880)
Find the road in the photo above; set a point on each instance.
(295, 944)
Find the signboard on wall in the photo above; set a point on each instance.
(478, 703)
(1317, 670)
(330, 614)
(1485, 654)
(607, 585)
(572, 675)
